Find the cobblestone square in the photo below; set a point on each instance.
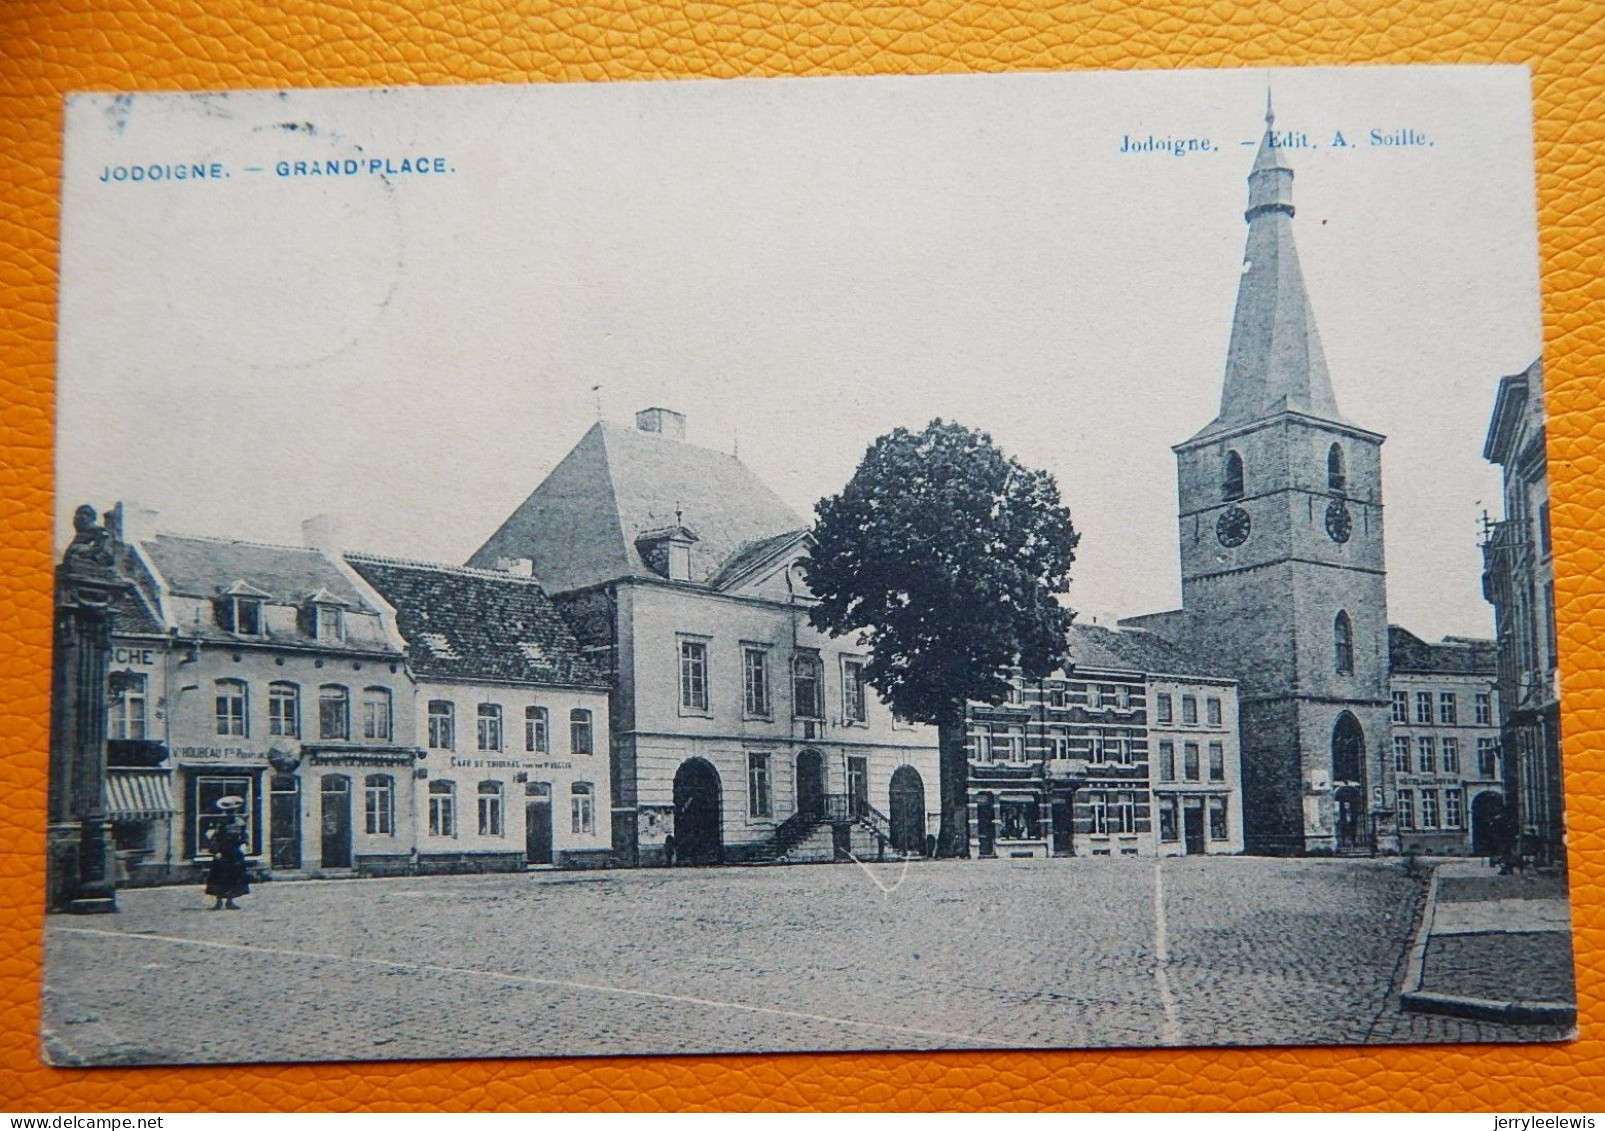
(1045, 953)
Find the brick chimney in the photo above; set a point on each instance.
(664, 421)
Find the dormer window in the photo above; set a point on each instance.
(324, 617)
(667, 552)
(328, 622)
(1231, 487)
(247, 616)
(239, 610)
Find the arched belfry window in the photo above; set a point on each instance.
(1336, 480)
(1343, 644)
(1232, 486)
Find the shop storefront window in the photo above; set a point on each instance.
(1168, 825)
(209, 789)
(1217, 819)
(1017, 820)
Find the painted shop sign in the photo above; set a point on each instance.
(457, 763)
(219, 754)
(133, 656)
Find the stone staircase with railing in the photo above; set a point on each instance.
(838, 826)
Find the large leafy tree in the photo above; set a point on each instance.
(947, 556)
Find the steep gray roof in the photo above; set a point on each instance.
(580, 526)
(1275, 362)
(477, 624)
(209, 567)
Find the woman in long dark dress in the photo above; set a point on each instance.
(227, 878)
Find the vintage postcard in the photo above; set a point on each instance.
(1029, 561)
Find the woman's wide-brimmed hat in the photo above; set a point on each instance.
(229, 804)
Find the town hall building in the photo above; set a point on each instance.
(739, 731)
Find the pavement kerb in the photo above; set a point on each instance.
(1414, 999)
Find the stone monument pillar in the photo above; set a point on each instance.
(81, 874)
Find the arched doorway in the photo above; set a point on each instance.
(908, 811)
(698, 814)
(1348, 782)
(811, 783)
(1488, 833)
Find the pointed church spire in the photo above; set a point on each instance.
(1275, 362)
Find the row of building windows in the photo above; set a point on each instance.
(443, 807)
(1428, 748)
(128, 710)
(1189, 710)
(374, 719)
(1005, 742)
(1189, 761)
(1448, 708)
(490, 732)
(1428, 817)
(1095, 696)
(129, 706)
(757, 684)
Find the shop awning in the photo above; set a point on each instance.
(139, 795)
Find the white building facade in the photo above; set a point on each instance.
(511, 719)
(738, 732)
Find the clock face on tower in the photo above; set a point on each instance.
(1339, 525)
(1232, 527)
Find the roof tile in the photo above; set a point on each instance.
(474, 624)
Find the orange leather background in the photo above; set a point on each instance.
(48, 47)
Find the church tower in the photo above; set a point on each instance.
(1283, 581)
